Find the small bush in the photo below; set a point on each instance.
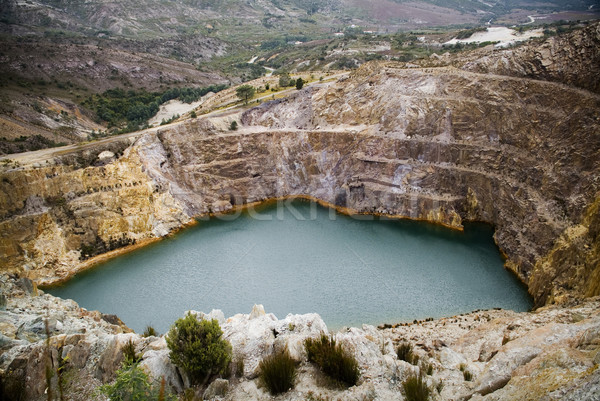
(405, 353)
(150, 331)
(129, 353)
(426, 368)
(132, 384)
(415, 388)
(233, 126)
(278, 372)
(332, 359)
(467, 375)
(197, 347)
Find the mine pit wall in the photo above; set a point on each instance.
(441, 145)
(50, 214)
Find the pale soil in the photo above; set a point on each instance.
(173, 107)
(500, 34)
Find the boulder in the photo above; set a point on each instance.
(216, 389)
(156, 363)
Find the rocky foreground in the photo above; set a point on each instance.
(449, 144)
(550, 354)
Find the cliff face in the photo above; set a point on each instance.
(54, 217)
(572, 59)
(439, 144)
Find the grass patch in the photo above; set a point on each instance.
(278, 372)
(150, 331)
(415, 388)
(333, 360)
(129, 353)
(405, 353)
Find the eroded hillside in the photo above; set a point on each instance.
(442, 144)
(439, 144)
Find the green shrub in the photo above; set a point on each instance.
(415, 388)
(278, 372)
(197, 347)
(150, 331)
(132, 384)
(129, 353)
(467, 375)
(405, 353)
(333, 360)
(233, 126)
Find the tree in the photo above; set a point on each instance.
(299, 83)
(193, 114)
(284, 80)
(197, 347)
(245, 92)
(233, 126)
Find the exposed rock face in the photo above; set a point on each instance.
(572, 59)
(437, 144)
(52, 217)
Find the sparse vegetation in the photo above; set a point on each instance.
(27, 143)
(133, 384)
(128, 110)
(405, 353)
(415, 388)
(129, 355)
(170, 120)
(426, 368)
(150, 331)
(245, 92)
(333, 360)
(197, 347)
(467, 33)
(278, 372)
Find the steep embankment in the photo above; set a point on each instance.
(571, 59)
(440, 144)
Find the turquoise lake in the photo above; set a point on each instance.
(299, 257)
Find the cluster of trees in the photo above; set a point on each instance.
(246, 92)
(118, 107)
(286, 80)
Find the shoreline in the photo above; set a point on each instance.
(99, 259)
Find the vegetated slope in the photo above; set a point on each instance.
(440, 144)
(44, 82)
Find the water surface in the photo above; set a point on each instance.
(298, 257)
